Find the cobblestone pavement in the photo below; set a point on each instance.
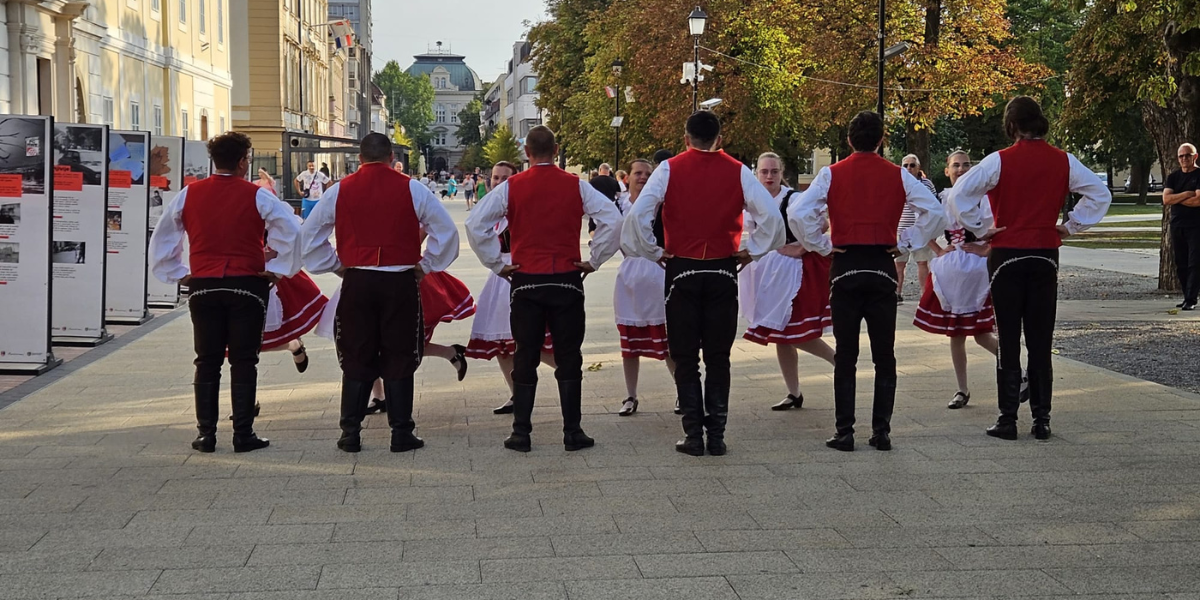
(101, 496)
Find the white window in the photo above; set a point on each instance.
(441, 113)
(135, 116)
(202, 17)
(222, 125)
(156, 5)
(158, 120)
(107, 103)
(184, 124)
(220, 21)
(454, 109)
(183, 11)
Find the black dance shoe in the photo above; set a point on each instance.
(504, 409)
(844, 443)
(628, 407)
(249, 443)
(1041, 431)
(518, 442)
(403, 441)
(301, 366)
(1188, 306)
(205, 443)
(960, 400)
(678, 411)
(790, 402)
(1004, 431)
(880, 441)
(350, 442)
(690, 446)
(460, 360)
(577, 440)
(376, 406)
(716, 447)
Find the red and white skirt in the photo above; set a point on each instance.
(933, 318)
(491, 334)
(299, 308)
(444, 299)
(777, 279)
(639, 305)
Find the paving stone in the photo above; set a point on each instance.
(212, 535)
(19, 586)
(223, 516)
(1163, 531)
(915, 537)
(19, 540)
(437, 511)
(640, 523)
(244, 579)
(626, 543)
(545, 526)
(1006, 583)
(714, 563)
(359, 594)
(691, 588)
(408, 495)
(556, 569)
(782, 539)
(536, 491)
(1143, 580)
(291, 515)
(46, 561)
(165, 536)
(815, 586)
(325, 554)
(477, 549)
(395, 574)
(188, 557)
(541, 590)
(812, 560)
(1059, 533)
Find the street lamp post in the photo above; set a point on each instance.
(617, 65)
(696, 22)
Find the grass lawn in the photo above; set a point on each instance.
(1149, 223)
(1133, 209)
(1111, 244)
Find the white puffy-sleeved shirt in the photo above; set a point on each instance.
(441, 242)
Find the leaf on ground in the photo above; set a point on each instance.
(1173, 311)
(1054, 351)
(595, 367)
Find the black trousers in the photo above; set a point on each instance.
(379, 327)
(541, 302)
(1186, 242)
(863, 288)
(227, 316)
(702, 306)
(1025, 296)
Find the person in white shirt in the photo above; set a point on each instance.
(223, 218)
(311, 183)
(921, 256)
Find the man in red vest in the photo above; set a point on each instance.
(702, 193)
(545, 207)
(864, 195)
(223, 218)
(1026, 185)
(377, 215)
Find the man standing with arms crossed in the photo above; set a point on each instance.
(702, 193)
(1182, 193)
(545, 207)
(864, 195)
(378, 215)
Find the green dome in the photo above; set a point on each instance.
(461, 76)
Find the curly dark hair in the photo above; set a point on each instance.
(228, 149)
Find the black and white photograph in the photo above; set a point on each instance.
(21, 152)
(196, 165)
(10, 214)
(10, 252)
(156, 199)
(114, 220)
(81, 149)
(67, 252)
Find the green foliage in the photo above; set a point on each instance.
(502, 147)
(468, 124)
(473, 157)
(410, 98)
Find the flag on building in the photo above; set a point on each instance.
(612, 92)
(343, 34)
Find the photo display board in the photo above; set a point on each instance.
(78, 247)
(127, 219)
(26, 220)
(166, 179)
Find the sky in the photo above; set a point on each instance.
(481, 30)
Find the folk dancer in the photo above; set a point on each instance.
(545, 207)
(378, 215)
(223, 218)
(864, 195)
(1026, 185)
(786, 300)
(702, 193)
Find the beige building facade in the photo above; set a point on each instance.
(156, 65)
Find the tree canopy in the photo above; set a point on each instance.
(409, 98)
(502, 147)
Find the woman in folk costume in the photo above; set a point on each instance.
(294, 307)
(1025, 186)
(491, 334)
(641, 314)
(957, 302)
(786, 295)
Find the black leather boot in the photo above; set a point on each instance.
(691, 404)
(716, 408)
(355, 396)
(570, 397)
(523, 396)
(244, 438)
(207, 406)
(843, 406)
(1008, 398)
(1041, 387)
(881, 413)
(399, 394)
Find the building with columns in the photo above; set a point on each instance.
(454, 86)
(157, 65)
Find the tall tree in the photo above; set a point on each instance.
(502, 147)
(468, 124)
(410, 99)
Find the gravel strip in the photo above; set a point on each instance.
(1080, 283)
(1134, 348)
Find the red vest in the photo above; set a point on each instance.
(224, 228)
(375, 222)
(702, 210)
(1034, 183)
(545, 217)
(866, 198)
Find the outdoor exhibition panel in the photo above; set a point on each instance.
(166, 179)
(128, 227)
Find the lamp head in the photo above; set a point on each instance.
(711, 103)
(696, 21)
(617, 65)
